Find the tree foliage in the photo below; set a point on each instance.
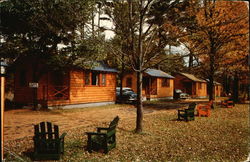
(55, 30)
(143, 35)
(218, 35)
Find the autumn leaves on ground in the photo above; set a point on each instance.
(223, 136)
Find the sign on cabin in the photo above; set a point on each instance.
(33, 85)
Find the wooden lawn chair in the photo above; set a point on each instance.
(204, 109)
(227, 103)
(47, 143)
(104, 139)
(187, 114)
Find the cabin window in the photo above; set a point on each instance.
(22, 79)
(95, 78)
(165, 82)
(129, 82)
(199, 85)
(103, 79)
(87, 78)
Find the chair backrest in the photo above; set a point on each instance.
(113, 123)
(210, 104)
(44, 133)
(192, 105)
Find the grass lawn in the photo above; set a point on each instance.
(224, 136)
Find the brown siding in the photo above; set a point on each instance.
(155, 84)
(201, 92)
(22, 93)
(79, 93)
(189, 86)
(178, 82)
(165, 91)
(134, 80)
(217, 90)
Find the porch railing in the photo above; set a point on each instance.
(58, 92)
(153, 91)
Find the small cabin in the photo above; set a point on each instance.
(217, 89)
(73, 88)
(156, 84)
(190, 84)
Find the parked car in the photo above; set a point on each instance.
(184, 96)
(128, 95)
(178, 94)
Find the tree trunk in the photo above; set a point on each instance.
(93, 22)
(139, 66)
(236, 88)
(212, 69)
(211, 88)
(211, 83)
(35, 80)
(190, 62)
(121, 77)
(225, 85)
(139, 117)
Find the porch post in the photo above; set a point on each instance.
(2, 115)
(150, 88)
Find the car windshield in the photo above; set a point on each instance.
(178, 91)
(125, 90)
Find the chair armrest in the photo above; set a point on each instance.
(189, 110)
(99, 129)
(95, 133)
(203, 107)
(63, 135)
(181, 110)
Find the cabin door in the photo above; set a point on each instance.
(146, 86)
(188, 88)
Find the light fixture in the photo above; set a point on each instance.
(3, 66)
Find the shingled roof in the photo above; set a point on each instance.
(215, 83)
(158, 73)
(192, 77)
(103, 67)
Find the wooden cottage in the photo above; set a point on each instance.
(217, 89)
(156, 84)
(188, 83)
(71, 89)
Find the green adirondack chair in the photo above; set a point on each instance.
(104, 139)
(187, 114)
(47, 143)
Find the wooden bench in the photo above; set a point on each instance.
(187, 114)
(204, 109)
(47, 143)
(227, 103)
(104, 139)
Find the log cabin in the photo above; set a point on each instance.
(156, 84)
(217, 88)
(188, 83)
(74, 88)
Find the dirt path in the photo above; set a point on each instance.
(19, 123)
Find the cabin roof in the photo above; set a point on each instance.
(103, 67)
(158, 73)
(192, 77)
(215, 83)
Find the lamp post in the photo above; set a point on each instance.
(3, 66)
